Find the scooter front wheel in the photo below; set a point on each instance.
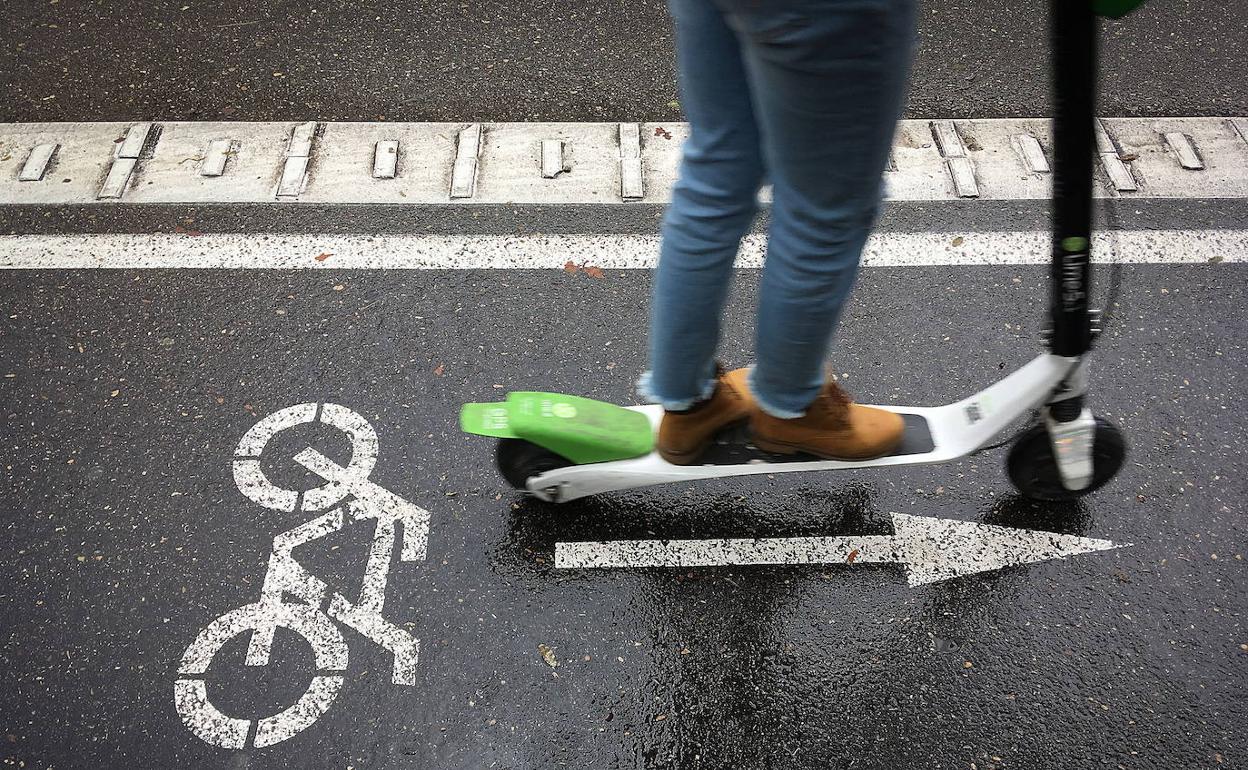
(519, 460)
(1032, 468)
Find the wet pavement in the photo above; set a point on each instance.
(130, 554)
(426, 60)
(126, 393)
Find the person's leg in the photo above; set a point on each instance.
(713, 204)
(828, 78)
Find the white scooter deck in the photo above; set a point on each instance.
(933, 435)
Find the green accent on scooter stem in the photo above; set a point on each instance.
(1115, 9)
(1074, 244)
(581, 429)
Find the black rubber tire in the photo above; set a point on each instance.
(519, 460)
(1033, 469)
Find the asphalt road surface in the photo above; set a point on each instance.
(140, 543)
(126, 393)
(429, 60)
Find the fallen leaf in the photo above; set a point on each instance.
(570, 267)
(967, 664)
(1130, 157)
(439, 369)
(323, 256)
(663, 132)
(660, 717)
(957, 241)
(594, 272)
(852, 556)
(115, 393)
(548, 655)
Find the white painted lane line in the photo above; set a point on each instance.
(476, 252)
(931, 549)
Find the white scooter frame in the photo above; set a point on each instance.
(955, 430)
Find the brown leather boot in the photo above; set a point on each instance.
(834, 428)
(684, 436)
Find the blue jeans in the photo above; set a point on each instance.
(804, 93)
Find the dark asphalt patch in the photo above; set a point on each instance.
(124, 534)
(423, 60)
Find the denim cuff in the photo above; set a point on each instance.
(645, 388)
(771, 408)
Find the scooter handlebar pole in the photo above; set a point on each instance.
(1073, 31)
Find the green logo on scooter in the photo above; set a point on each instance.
(1074, 244)
(580, 429)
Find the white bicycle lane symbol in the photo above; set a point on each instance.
(292, 597)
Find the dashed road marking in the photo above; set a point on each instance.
(616, 163)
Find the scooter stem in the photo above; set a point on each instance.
(1074, 30)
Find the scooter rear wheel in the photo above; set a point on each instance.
(1032, 468)
(519, 460)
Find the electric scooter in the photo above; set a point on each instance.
(560, 447)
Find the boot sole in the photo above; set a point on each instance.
(691, 456)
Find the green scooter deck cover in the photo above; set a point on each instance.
(581, 429)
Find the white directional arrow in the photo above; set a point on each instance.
(931, 549)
